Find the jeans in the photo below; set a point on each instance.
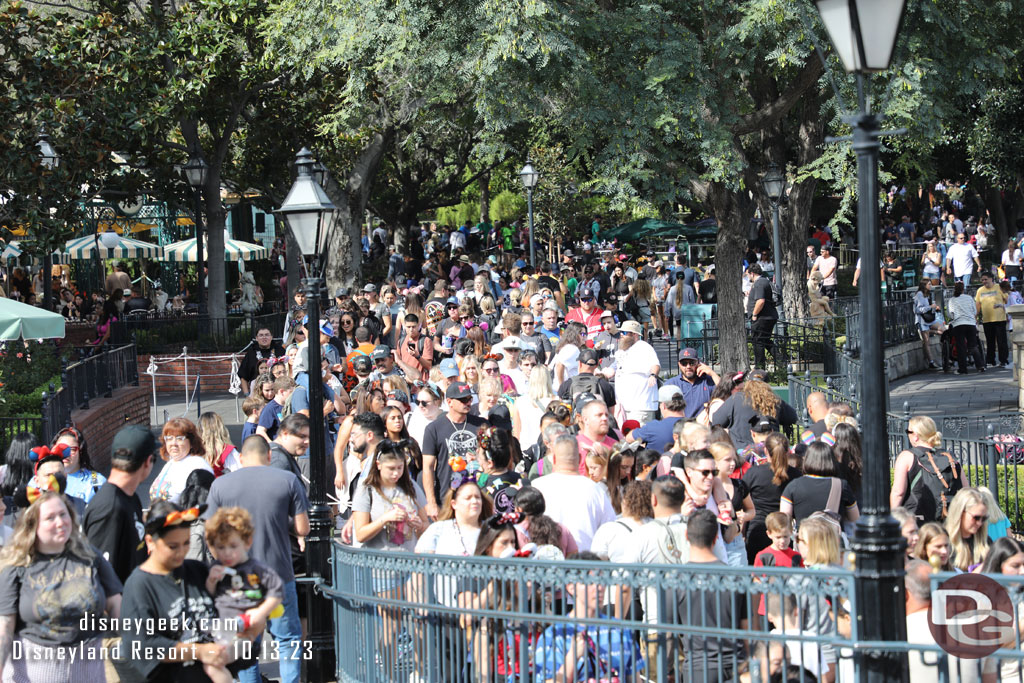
(995, 335)
(761, 336)
(966, 338)
(287, 631)
(252, 674)
(965, 278)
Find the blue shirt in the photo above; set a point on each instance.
(248, 429)
(84, 484)
(696, 394)
(554, 334)
(610, 652)
(657, 434)
(270, 418)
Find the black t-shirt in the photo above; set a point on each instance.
(707, 291)
(502, 481)
(248, 369)
(765, 495)
(444, 440)
(735, 415)
(762, 289)
(177, 602)
(809, 494)
(113, 523)
(549, 282)
(710, 608)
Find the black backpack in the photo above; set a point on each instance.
(933, 485)
(585, 382)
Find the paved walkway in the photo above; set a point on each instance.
(946, 394)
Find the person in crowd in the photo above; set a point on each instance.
(998, 522)
(495, 457)
(695, 380)
(756, 398)
(726, 460)
(967, 526)
(766, 484)
(565, 356)
(521, 373)
(709, 658)
(924, 440)
(828, 266)
(428, 409)
(923, 666)
(636, 374)
(925, 314)
(763, 314)
(819, 489)
(263, 387)
(725, 388)
(252, 406)
(113, 521)
(414, 351)
(108, 316)
(594, 424)
(529, 407)
(166, 583)
(817, 407)
(182, 452)
(197, 491)
(596, 462)
(961, 259)
(280, 519)
(457, 529)
(493, 406)
(908, 529)
(587, 313)
(931, 263)
(220, 454)
(588, 379)
(611, 540)
(536, 527)
(847, 449)
(291, 443)
(700, 476)
(991, 301)
(657, 434)
(83, 480)
(573, 651)
(446, 440)
(270, 417)
(490, 365)
(933, 547)
(571, 498)
(51, 581)
(264, 349)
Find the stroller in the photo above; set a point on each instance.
(949, 352)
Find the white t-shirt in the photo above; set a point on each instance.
(577, 503)
(1011, 258)
(446, 538)
(612, 539)
(827, 267)
(806, 654)
(170, 483)
(632, 372)
(530, 412)
(962, 257)
(569, 356)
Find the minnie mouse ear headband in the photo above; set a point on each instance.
(504, 519)
(41, 454)
(273, 360)
(389, 445)
(526, 551)
(29, 494)
(739, 377)
(174, 518)
(460, 475)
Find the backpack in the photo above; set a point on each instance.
(419, 343)
(933, 485)
(584, 382)
(673, 547)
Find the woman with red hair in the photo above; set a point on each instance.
(182, 450)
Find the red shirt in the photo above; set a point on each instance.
(585, 443)
(770, 557)
(591, 320)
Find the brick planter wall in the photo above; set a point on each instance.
(216, 374)
(105, 416)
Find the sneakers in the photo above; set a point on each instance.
(932, 365)
(1008, 366)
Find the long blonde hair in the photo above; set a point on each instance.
(963, 553)
(761, 397)
(214, 434)
(540, 385)
(20, 551)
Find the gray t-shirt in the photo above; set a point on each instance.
(247, 587)
(50, 596)
(378, 504)
(272, 497)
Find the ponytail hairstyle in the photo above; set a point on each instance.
(777, 447)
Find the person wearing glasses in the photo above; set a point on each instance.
(180, 453)
(83, 481)
(532, 340)
(961, 259)
(967, 526)
(447, 439)
(909, 486)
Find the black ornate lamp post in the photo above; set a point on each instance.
(773, 183)
(48, 156)
(195, 172)
(863, 33)
(310, 215)
(530, 177)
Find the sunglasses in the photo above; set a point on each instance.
(586, 298)
(531, 324)
(707, 473)
(687, 362)
(979, 518)
(492, 371)
(467, 400)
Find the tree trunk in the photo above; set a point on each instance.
(216, 222)
(733, 210)
(293, 269)
(485, 198)
(994, 203)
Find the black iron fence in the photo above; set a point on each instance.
(201, 334)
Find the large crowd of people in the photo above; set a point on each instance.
(480, 408)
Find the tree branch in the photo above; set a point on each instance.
(762, 118)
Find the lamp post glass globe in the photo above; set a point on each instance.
(773, 182)
(307, 208)
(48, 156)
(863, 32)
(110, 239)
(195, 172)
(529, 176)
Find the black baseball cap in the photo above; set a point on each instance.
(588, 357)
(458, 390)
(136, 443)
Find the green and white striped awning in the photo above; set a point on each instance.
(84, 248)
(11, 252)
(234, 250)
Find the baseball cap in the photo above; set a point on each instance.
(458, 390)
(138, 441)
(688, 354)
(452, 301)
(449, 368)
(581, 401)
(668, 392)
(463, 259)
(763, 425)
(588, 357)
(630, 425)
(325, 327)
(380, 352)
(586, 295)
(512, 343)
(342, 291)
(607, 314)
(362, 364)
(632, 327)
(370, 288)
(536, 298)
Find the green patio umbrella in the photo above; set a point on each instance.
(646, 228)
(21, 321)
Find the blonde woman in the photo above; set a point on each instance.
(469, 373)
(931, 263)
(967, 526)
(220, 453)
(528, 409)
(924, 440)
